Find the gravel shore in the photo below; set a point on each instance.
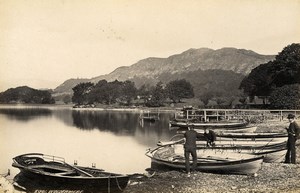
(273, 177)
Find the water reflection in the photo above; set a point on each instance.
(25, 114)
(125, 124)
(116, 122)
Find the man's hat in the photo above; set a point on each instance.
(290, 116)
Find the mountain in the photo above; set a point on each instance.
(239, 61)
(67, 86)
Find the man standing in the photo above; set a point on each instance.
(190, 148)
(293, 134)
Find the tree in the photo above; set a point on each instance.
(112, 91)
(206, 97)
(25, 94)
(179, 89)
(158, 96)
(97, 94)
(285, 97)
(128, 91)
(284, 70)
(81, 91)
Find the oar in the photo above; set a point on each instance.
(163, 145)
(206, 158)
(171, 142)
(79, 170)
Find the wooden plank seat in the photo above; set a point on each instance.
(52, 169)
(71, 172)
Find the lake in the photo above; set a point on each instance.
(114, 140)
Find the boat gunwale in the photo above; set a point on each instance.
(39, 172)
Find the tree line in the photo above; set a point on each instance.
(125, 93)
(25, 94)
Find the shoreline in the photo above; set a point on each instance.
(273, 177)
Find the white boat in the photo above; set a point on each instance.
(168, 156)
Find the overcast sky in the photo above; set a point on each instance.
(45, 42)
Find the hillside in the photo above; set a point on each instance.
(239, 61)
(25, 94)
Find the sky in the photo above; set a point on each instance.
(45, 42)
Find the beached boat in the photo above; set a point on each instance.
(166, 156)
(235, 138)
(54, 173)
(246, 129)
(246, 144)
(272, 150)
(275, 154)
(209, 125)
(240, 142)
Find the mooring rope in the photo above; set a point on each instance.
(265, 145)
(118, 184)
(108, 189)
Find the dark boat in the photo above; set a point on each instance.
(53, 173)
(225, 136)
(234, 125)
(166, 156)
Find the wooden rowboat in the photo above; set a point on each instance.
(210, 125)
(273, 151)
(271, 155)
(236, 139)
(166, 156)
(54, 173)
(243, 129)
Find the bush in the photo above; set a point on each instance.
(285, 97)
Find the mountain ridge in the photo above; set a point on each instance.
(240, 61)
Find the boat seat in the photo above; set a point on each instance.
(55, 169)
(67, 173)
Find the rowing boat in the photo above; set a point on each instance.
(275, 154)
(218, 124)
(52, 172)
(168, 157)
(273, 151)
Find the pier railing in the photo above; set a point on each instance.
(234, 114)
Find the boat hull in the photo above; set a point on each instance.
(214, 125)
(34, 181)
(209, 164)
(238, 140)
(52, 175)
(245, 167)
(271, 155)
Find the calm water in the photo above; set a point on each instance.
(114, 140)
